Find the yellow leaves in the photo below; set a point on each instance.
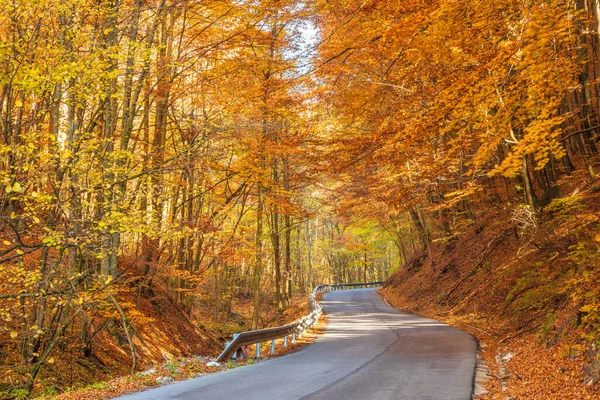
(53, 240)
(7, 243)
(50, 360)
(588, 308)
(13, 334)
(77, 275)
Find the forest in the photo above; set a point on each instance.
(207, 163)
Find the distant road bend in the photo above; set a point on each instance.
(369, 351)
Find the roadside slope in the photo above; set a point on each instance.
(532, 300)
(369, 350)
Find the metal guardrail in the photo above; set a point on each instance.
(295, 328)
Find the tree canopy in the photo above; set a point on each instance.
(233, 149)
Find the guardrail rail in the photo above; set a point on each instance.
(296, 328)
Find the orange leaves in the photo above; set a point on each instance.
(450, 81)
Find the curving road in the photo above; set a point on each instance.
(369, 351)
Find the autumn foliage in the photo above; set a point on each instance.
(218, 153)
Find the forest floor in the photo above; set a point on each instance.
(166, 354)
(531, 298)
(183, 368)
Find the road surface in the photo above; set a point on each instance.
(369, 351)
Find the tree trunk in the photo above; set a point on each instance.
(258, 247)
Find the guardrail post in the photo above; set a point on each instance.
(285, 341)
(272, 346)
(294, 337)
(234, 355)
(257, 350)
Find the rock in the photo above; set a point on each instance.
(507, 357)
(168, 357)
(591, 365)
(574, 353)
(481, 377)
(479, 390)
(213, 364)
(148, 372)
(590, 382)
(163, 380)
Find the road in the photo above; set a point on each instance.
(369, 351)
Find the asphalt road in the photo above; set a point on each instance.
(369, 351)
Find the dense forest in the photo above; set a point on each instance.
(223, 157)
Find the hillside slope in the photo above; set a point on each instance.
(530, 295)
(163, 331)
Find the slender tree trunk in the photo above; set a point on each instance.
(415, 214)
(309, 253)
(530, 196)
(287, 237)
(276, 242)
(110, 238)
(258, 246)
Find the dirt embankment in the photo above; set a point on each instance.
(181, 368)
(531, 295)
(165, 335)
